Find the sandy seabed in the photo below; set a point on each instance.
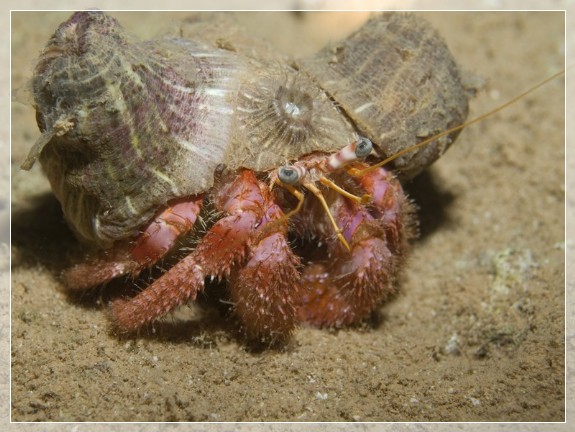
(476, 333)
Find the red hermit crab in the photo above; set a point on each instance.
(255, 157)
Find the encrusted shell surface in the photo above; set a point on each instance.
(397, 81)
(128, 125)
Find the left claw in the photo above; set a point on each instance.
(345, 289)
(248, 247)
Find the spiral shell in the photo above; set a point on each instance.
(128, 125)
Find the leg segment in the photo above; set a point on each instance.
(131, 257)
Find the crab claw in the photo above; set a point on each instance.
(264, 290)
(248, 247)
(350, 285)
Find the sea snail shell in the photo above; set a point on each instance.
(128, 125)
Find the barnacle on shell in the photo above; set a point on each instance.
(281, 115)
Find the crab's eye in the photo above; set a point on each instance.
(289, 175)
(363, 148)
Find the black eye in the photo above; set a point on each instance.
(288, 175)
(363, 148)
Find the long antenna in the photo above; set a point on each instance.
(358, 172)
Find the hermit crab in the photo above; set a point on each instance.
(272, 166)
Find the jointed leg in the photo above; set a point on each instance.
(129, 257)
